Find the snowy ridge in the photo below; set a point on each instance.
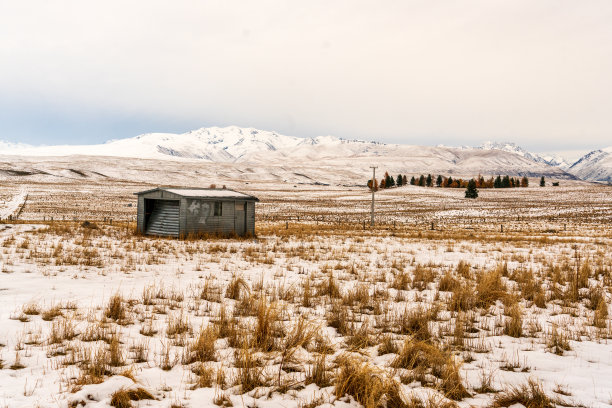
(214, 144)
(266, 149)
(550, 159)
(594, 166)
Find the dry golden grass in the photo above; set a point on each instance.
(123, 398)
(530, 395)
(329, 286)
(370, 386)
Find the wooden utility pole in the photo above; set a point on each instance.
(373, 191)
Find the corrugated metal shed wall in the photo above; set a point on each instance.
(250, 218)
(196, 215)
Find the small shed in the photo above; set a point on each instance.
(177, 212)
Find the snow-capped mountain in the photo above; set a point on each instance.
(550, 159)
(275, 154)
(594, 166)
(213, 144)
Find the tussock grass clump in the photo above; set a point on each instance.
(62, 330)
(463, 269)
(266, 325)
(178, 324)
(361, 338)
(51, 313)
(416, 322)
(94, 366)
(206, 376)
(251, 374)
(302, 334)
(401, 281)
(422, 276)
(425, 358)
(530, 395)
(203, 348)
(369, 386)
(321, 344)
(447, 282)
(115, 309)
(237, 288)
(387, 345)
(338, 318)
(228, 327)
(306, 293)
(601, 314)
(462, 299)
(490, 287)
(317, 373)
(530, 288)
(557, 342)
(329, 287)
(31, 309)
(115, 351)
(123, 398)
(594, 297)
(514, 326)
(359, 296)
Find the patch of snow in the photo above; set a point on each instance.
(11, 207)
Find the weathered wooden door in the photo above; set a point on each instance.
(240, 218)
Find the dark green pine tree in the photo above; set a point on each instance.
(542, 182)
(399, 180)
(471, 191)
(450, 181)
(498, 182)
(391, 181)
(429, 180)
(422, 181)
(506, 182)
(439, 181)
(412, 181)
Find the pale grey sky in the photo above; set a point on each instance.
(538, 73)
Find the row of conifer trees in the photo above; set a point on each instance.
(442, 181)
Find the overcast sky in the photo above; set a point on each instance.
(538, 73)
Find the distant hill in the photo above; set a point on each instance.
(594, 166)
(266, 149)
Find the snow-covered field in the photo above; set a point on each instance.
(446, 301)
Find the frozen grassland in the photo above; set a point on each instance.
(317, 309)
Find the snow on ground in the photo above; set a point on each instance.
(364, 296)
(10, 207)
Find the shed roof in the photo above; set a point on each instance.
(204, 193)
